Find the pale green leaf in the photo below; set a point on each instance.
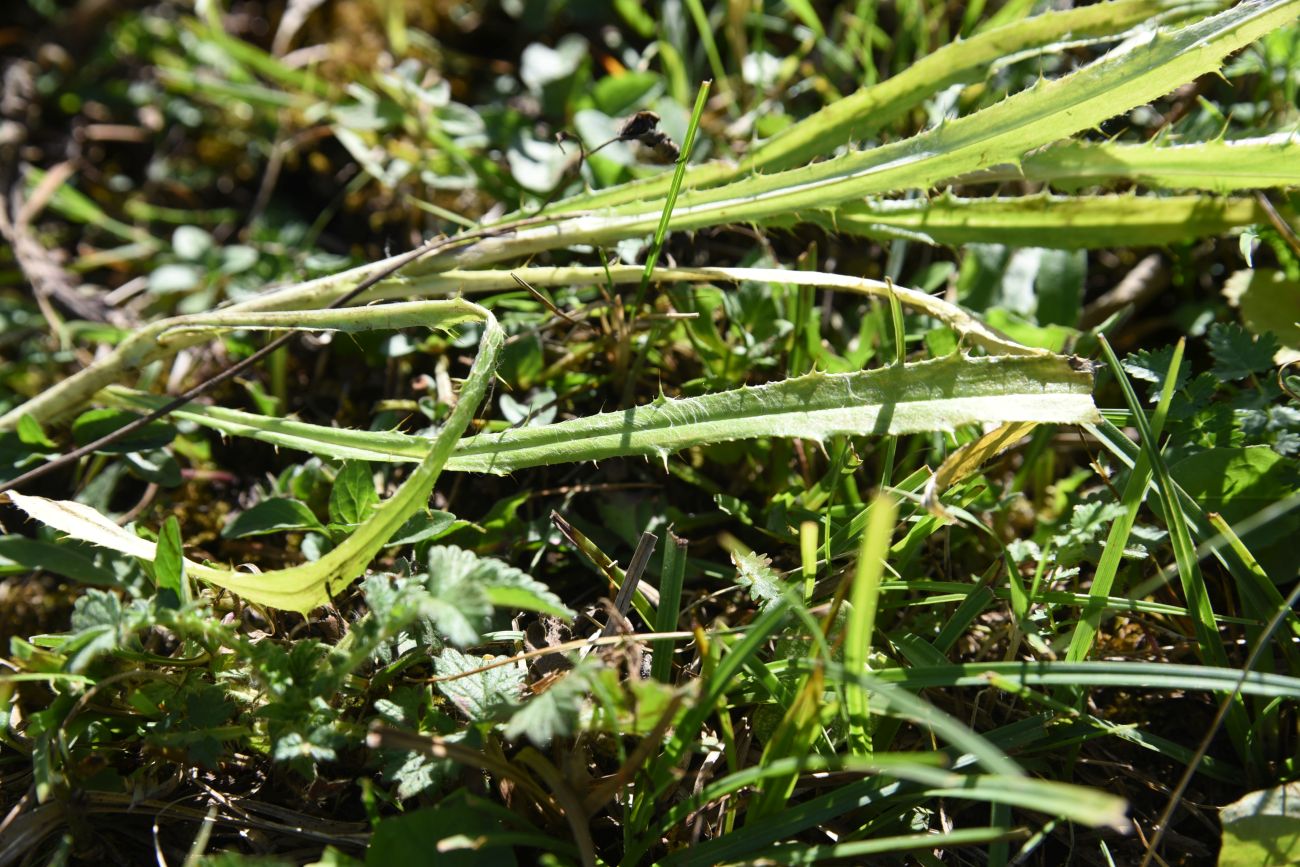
(483, 696)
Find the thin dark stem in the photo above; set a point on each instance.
(631, 578)
(1283, 228)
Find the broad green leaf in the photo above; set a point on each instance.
(30, 433)
(551, 714)
(155, 465)
(63, 559)
(169, 565)
(353, 496)
(424, 526)
(1153, 367)
(273, 515)
(427, 610)
(99, 624)
(1262, 829)
(95, 423)
(448, 835)
(1268, 301)
(1237, 483)
(505, 586)
(1238, 354)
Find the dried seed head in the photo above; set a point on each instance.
(641, 124)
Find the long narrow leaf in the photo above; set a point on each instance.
(1139, 675)
(923, 396)
(1059, 222)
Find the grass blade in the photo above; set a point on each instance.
(863, 597)
(668, 610)
(1112, 554)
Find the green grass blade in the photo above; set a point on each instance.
(668, 611)
(800, 853)
(1136, 675)
(1198, 602)
(665, 216)
(863, 596)
(1112, 554)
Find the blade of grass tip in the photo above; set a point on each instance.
(1112, 555)
(661, 232)
(679, 172)
(1225, 707)
(1252, 599)
(862, 615)
(1256, 587)
(670, 599)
